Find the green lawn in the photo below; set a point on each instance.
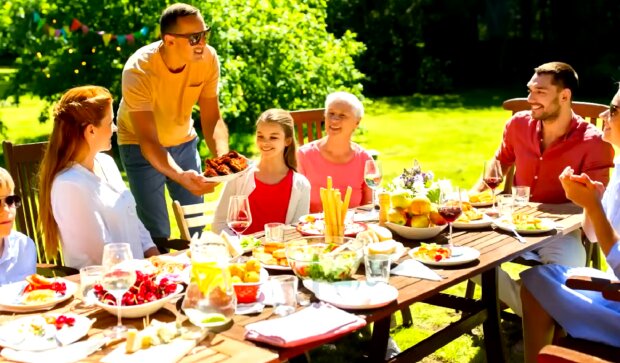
(451, 135)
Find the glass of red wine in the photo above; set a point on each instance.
(450, 208)
(492, 177)
(239, 217)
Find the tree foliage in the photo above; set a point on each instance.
(438, 45)
(273, 53)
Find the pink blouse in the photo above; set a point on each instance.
(314, 167)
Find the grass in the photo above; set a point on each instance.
(451, 135)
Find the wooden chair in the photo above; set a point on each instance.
(22, 162)
(570, 349)
(308, 124)
(189, 216)
(590, 112)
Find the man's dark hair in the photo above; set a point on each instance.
(563, 75)
(168, 19)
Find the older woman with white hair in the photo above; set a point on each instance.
(335, 154)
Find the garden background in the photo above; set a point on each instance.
(432, 74)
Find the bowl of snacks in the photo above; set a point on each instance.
(321, 260)
(147, 295)
(247, 277)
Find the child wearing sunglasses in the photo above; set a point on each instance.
(18, 254)
(276, 192)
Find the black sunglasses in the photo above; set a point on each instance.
(12, 201)
(194, 38)
(613, 110)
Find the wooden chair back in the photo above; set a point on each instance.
(23, 161)
(189, 216)
(308, 124)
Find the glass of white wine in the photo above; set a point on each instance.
(373, 174)
(118, 277)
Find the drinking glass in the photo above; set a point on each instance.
(118, 277)
(521, 195)
(450, 207)
(239, 216)
(89, 276)
(372, 176)
(492, 177)
(377, 268)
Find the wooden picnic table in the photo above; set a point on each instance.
(495, 246)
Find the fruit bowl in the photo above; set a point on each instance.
(415, 233)
(247, 292)
(321, 261)
(135, 311)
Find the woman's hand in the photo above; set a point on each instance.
(580, 189)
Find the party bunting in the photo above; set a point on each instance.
(76, 25)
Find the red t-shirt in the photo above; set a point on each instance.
(269, 202)
(581, 148)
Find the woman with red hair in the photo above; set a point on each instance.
(83, 201)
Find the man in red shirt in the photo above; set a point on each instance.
(540, 143)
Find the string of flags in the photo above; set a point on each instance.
(77, 25)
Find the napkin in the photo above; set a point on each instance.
(65, 354)
(316, 322)
(413, 268)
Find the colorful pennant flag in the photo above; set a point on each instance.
(76, 25)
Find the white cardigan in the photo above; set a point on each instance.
(298, 205)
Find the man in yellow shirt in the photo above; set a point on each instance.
(161, 83)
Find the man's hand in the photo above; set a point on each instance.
(196, 183)
(580, 189)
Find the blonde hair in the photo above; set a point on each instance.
(78, 108)
(6, 180)
(285, 120)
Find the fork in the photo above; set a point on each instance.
(517, 235)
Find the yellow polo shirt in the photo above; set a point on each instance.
(148, 85)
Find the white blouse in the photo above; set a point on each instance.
(93, 210)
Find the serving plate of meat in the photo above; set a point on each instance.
(226, 167)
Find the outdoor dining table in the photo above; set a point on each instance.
(495, 246)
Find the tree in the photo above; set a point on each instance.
(273, 53)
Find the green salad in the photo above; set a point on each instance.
(309, 264)
(249, 242)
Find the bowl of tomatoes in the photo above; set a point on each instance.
(147, 295)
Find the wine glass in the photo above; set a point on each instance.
(450, 208)
(239, 216)
(118, 277)
(372, 176)
(493, 177)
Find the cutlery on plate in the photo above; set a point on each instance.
(517, 235)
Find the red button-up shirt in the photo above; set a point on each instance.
(581, 148)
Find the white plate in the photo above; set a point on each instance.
(135, 311)
(400, 250)
(353, 294)
(415, 233)
(229, 177)
(11, 297)
(19, 334)
(547, 224)
(479, 223)
(464, 254)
